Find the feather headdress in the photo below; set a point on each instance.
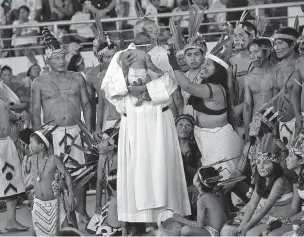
(269, 149)
(297, 146)
(289, 33)
(177, 39)
(268, 117)
(102, 42)
(221, 51)
(45, 131)
(52, 45)
(196, 40)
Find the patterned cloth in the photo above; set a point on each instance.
(45, 215)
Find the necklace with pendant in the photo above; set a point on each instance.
(39, 175)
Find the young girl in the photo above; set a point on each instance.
(212, 209)
(273, 192)
(295, 162)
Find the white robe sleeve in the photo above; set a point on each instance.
(160, 89)
(114, 84)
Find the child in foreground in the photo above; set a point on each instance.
(44, 169)
(212, 209)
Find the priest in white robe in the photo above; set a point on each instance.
(150, 169)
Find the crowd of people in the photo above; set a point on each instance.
(174, 133)
(20, 12)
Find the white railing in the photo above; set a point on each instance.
(56, 24)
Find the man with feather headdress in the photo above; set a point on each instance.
(150, 174)
(62, 94)
(104, 49)
(285, 40)
(260, 82)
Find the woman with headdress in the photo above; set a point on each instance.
(273, 193)
(294, 162)
(210, 99)
(148, 150)
(263, 122)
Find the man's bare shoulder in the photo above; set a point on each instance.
(299, 64)
(39, 81)
(76, 76)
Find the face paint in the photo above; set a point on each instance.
(282, 48)
(241, 39)
(257, 55)
(265, 168)
(208, 69)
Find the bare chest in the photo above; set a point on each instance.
(59, 90)
(260, 83)
(284, 75)
(241, 68)
(42, 169)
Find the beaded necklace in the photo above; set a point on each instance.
(39, 175)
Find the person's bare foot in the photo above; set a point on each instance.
(14, 226)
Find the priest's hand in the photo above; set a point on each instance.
(127, 58)
(136, 90)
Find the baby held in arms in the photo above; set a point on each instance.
(137, 74)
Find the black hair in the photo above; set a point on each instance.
(249, 26)
(262, 42)
(220, 77)
(24, 135)
(40, 141)
(288, 31)
(75, 59)
(264, 190)
(5, 67)
(25, 8)
(206, 173)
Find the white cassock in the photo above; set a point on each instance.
(150, 174)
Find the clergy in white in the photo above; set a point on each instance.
(150, 169)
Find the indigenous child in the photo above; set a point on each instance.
(273, 192)
(44, 170)
(137, 74)
(212, 209)
(107, 171)
(295, 162)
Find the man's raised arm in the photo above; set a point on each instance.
(35, 104)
